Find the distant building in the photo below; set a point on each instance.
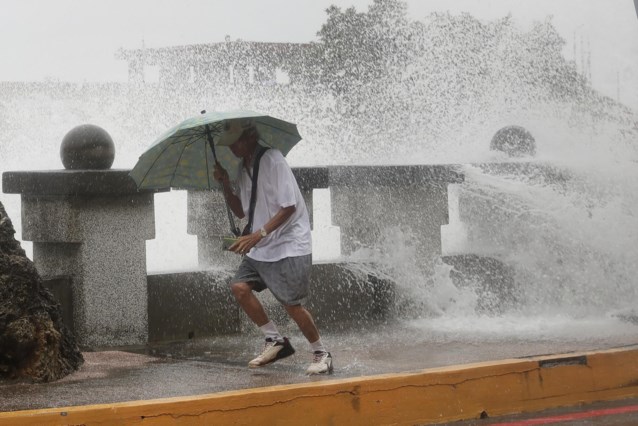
(235, 62)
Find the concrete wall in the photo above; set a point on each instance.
(186, 305)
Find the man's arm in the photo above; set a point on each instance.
(233, 200)
(245, 243)
(279, 219)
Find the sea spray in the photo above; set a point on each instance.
(570, 241)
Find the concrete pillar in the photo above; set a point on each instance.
(493, 221)
(91, 225)
(207, 218)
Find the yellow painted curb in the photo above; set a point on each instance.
(428, 396)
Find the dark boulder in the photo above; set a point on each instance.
(34, 342)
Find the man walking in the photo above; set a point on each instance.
(278, 253)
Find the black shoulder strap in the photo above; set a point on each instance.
(253, 193)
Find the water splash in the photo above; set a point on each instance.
(451, 83)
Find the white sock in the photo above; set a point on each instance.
(270, 331)
(318, 346)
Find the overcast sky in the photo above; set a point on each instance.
(76, 40)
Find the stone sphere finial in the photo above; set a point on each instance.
(87, 146)
(515, 141)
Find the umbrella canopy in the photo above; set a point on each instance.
(184, 157)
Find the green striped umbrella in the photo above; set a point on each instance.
(184, 157)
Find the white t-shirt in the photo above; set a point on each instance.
(276, 188)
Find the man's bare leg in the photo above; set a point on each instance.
(244, 295)
(322, 361)
(276, 347)
(305, 322)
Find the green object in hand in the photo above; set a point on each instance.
(228, 241)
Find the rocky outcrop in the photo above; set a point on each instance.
(34, 343)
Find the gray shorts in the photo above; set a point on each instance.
(287, 279)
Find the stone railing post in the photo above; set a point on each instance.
(207, 218)
(490, 226)
(91, 225)
(368, 201)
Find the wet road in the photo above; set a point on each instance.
(608, 413)
(214, 365)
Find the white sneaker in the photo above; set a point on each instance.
(321, 364)
(273, 351)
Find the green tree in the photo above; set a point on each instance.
(358, 48)
(387, 77)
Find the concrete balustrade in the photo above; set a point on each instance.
(92, 226)
(369, 201)
(366, 201)
(492, 228)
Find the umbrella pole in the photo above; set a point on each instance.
(233, 228)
